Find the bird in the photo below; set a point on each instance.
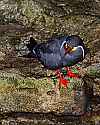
(58, 52)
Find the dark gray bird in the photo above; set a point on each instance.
(59, 52)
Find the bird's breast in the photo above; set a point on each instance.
(72, 58)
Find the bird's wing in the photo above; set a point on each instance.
(55, 45)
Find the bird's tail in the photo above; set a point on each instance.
(32, 43)
(31, 46)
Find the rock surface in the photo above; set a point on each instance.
(23, 82)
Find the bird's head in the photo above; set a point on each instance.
(68, 48)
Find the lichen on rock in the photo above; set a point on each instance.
(23, 82)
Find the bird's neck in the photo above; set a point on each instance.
(82, 50)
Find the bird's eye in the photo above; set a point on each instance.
(65, 45)
(68, 48)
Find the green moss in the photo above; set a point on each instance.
(38, 85)
(94, 73)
